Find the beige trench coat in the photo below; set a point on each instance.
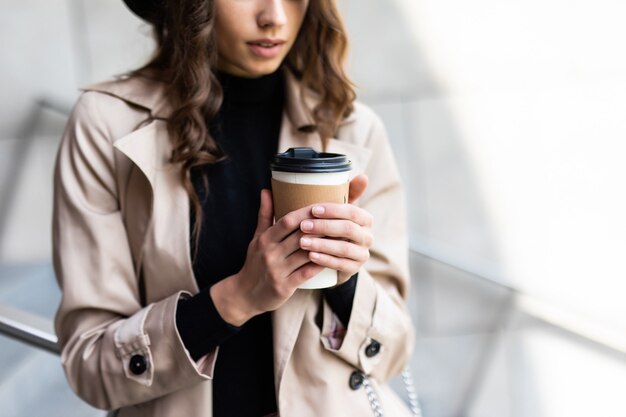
(122, 259)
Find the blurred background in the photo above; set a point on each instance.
(507, 119)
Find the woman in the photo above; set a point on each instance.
(179, 291)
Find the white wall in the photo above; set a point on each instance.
(37, 58)
(48, 50)
(512, 122)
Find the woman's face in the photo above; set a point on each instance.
(254, 36)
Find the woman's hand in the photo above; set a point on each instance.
(274, 268)
(340, 235)
(279, 259)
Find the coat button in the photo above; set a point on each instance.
(138, 364)
(372, 349)
(356, 380)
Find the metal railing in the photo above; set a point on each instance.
(28, 328)
(548, 312)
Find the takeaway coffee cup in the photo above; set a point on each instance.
(301, 177)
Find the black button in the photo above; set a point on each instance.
(356, 380)
(372, 349)
(138, 364)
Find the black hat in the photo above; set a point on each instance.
(146, 9)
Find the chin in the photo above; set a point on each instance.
(260, 69)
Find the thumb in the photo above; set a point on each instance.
(357, 187)
(266, 212)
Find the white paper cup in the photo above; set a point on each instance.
(327, 277)
(329, 175)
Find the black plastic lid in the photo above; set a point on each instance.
(307, 160)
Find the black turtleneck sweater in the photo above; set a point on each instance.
(246, 129)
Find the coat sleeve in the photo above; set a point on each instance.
(379, 336)
(115, 352)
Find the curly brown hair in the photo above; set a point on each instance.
(185, 60)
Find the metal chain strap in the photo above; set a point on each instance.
(409, 385)
(371, 395)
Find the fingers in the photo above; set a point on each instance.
(295, 261)
(336, 248)
(285, 257)
(266, 212)
(304, 273)
(343, 211)
(293, 221)
(339, 264)
(290, 245)
(288, 223)
(357, 187)
(345, 229)
(285, 269)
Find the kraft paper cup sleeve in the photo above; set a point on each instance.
(289, 197)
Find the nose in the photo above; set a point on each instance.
(272, 13)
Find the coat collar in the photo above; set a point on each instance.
(139, 91)
(150, 94)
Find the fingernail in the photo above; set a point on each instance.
(314, 255)
(306, 242)
(307, 225)
(318, 210)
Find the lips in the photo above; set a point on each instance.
(266, 48)
(266, 43)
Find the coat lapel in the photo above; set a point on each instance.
(142, 148)
(286, 323)
(167, 225)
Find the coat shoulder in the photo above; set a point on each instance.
(108, 114)
(364, 114)
(142, 92)
(362, 126)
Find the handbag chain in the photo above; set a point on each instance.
(373, 398)
(409, 386)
